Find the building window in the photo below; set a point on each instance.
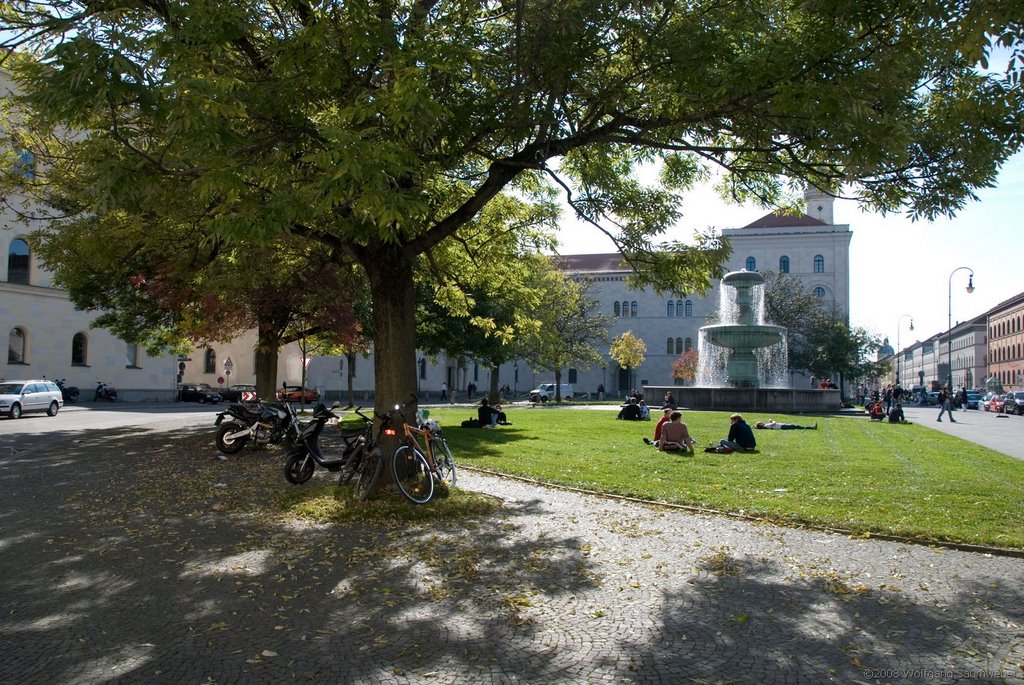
(573, 376)
(79, 350)
(669, 347)
(210, 361)
(688, 345)
(679, 345)
(751, 264)
(16, 346)
(18, 259)
(131, 353)
(633, 309)
(689, 307)
(783, 265)
(820, 292)
(671, 307)
(819, 264)
(618, 309)
(423, 369)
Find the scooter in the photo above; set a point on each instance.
(105, 391)
(69, 392)
(360, 456)
(262, 422)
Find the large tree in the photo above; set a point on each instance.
(382, 128)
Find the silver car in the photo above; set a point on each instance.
(20, 397)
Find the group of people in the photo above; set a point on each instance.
(672, 435)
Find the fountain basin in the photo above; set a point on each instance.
(749, 400)
(739, 336)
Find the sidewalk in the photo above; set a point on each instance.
(999, 432)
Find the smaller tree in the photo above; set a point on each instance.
(628, 351)
(685, 367)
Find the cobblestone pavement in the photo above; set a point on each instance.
(99, 586)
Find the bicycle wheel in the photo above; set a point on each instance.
(446, 472)
(412, 474)
(351, 465)
(368, 475)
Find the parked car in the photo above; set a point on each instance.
(296, 393)
(973, 398)
(22, 397)
(546, 391)
(1014, 403)
(233, 393)
(199, 392)
(997, 403)
(933, 399)
(985, 399)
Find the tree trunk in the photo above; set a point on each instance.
(350, 357)
(268, 345)
(493, 395)
(558, 385)
(390, 274)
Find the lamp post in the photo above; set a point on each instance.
(949, 320)
(899, 350)
(515, 381)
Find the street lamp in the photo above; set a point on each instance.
(899, 350)
(515, 382)
(949, 320)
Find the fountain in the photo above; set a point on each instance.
(743, 361)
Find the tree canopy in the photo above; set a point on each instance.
(380, 129)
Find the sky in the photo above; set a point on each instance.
(897, 266)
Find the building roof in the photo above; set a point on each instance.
(781, 220)
(591, 263)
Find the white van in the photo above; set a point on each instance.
(546, 391)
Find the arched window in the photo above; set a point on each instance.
(689, 307)
(783, 265)
(688, 344)
(819, 264)
(671, 307)
(18, 260)
(574, 376)
(679, 345)
(210, 361)
(633, 309)
(751, 264)
(617, 309)
(625, 309)
(820, 292)
(16, 346)
(79, 350)
(669, 347)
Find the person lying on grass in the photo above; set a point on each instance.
(772, 424)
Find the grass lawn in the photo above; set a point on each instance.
(850, 474)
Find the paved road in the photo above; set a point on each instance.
(128, 557)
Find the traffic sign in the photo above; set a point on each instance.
(248, 396)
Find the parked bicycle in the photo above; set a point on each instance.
(360, 458)
(423, 460)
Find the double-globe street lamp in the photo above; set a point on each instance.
(899, 350)
(949, 320)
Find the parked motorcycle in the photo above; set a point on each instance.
(261, 422)
(360, 457)
(69, 392)
(105, 391)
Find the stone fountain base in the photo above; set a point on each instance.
(746, 400)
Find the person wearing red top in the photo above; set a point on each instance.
(657, 429)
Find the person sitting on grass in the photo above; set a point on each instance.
(487, 415)
(658, 427)
(878, 411)
(631, 411)
(896, 414)
(741, 437)
(675, 436)
(772, 424)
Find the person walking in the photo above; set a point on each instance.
(945, 405)
(444, 391)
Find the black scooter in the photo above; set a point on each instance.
(69, 392)
(105, 391)
(360, 457)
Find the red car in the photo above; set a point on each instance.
(296, 393)
(997, 403)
